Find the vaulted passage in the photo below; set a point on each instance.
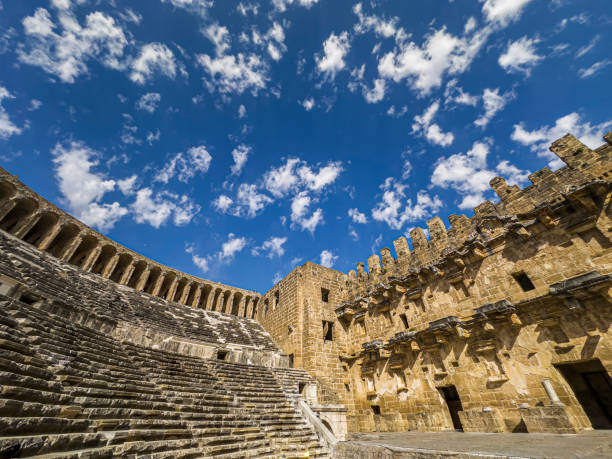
(451, 397)
(593, 389)
(13, 219)
(41, 229)
(62, 240)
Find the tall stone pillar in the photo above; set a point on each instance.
(172, 289)
(143, 278)
(69, 251)
(90, 261)
(197, 296)
(242, 307)
(110, 266)
(210, 299)
(229, 303)
(26, 225)
(158, 284)
(185, 295)
(48, 239)
(127, 274)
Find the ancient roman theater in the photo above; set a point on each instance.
(497, 324)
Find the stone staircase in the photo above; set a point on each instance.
(258, 389)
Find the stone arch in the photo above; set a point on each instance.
(121, 267)
(180, 288)
(80, 255)
(23, 208)
(150, 284)
(255, 305)
(166, 284)
(63, 239)
(106, 255)
(139, 269)
(41, 229)
(7, 190)
(327, 424)
(236, 303)
(215, 301)
(225, 302)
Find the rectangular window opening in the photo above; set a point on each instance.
(375, 409)
(328, 331)
(404, 320)
(221, 355)
(324, 295)
(523, 280)
(291, 360)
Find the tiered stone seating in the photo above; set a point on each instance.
(70, 386)
(259, 390)
(70, 391)
(61, 281)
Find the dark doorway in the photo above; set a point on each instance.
(454, 404)
(593, 389)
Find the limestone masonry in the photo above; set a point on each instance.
(500, 323)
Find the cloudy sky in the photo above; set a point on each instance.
(234, 140)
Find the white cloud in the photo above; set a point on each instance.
(593, 69)
(271, 248)
(185, 166)
(199, 261)
(231, 247)
(219, 35)
(397, 113)
(328, 259)
(335, 48)
(127, 185)
(240, 154)
(66, 52)
(502, 12)
(275, 38)
(588, 48)
(324, 177)
(424, 125)
(248, 203)
(395, 212)
(277, 278)
(382, 27)
(493, 102)
(242, 112)
(199, 7)
(299, 213)
(234, 74)
(148, 102)
(82, 188)
(153, 136)
(455, 94)
(469, 175)
(279, 181)
(424, 66)
(157, 209)
(7, 127)
(153, 58)
(357, 216)
(540, 139)
(308, 104)
(377, 93)
(281, 5)
(223, 203)
(520, 56)
(35, 104)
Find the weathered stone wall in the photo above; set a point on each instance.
(28, 216)
(476, 317)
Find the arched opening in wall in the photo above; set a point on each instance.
(166, 284)
(192, 294)
(152, 280)
(106, 254)
(224, 308)
(236, 303)
(247, 304)
(41, 229)
(206, 292)
(139, 268)
(327, 424)
(255, 306)
(12, 220)
(180, 288)
(63, 239)
(215, 304)
(87, 245)
(453, 403)
(120, 267)
(6, 191)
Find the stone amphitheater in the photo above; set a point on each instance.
(499, 324)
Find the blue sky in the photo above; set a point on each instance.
(234, 140)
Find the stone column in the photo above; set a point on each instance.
(210, 299)
(143, 278)
(230, 303)
(68, 252)
(172, 289)
(26, 225)
(129, 270)
(185, 295)
(48, 239)
(242, 307)
(110, 266)
(219, 305)
(197, 296)
(552, 394)
(90, 261)
(158, 284)
(6, 208)
(249, 307)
